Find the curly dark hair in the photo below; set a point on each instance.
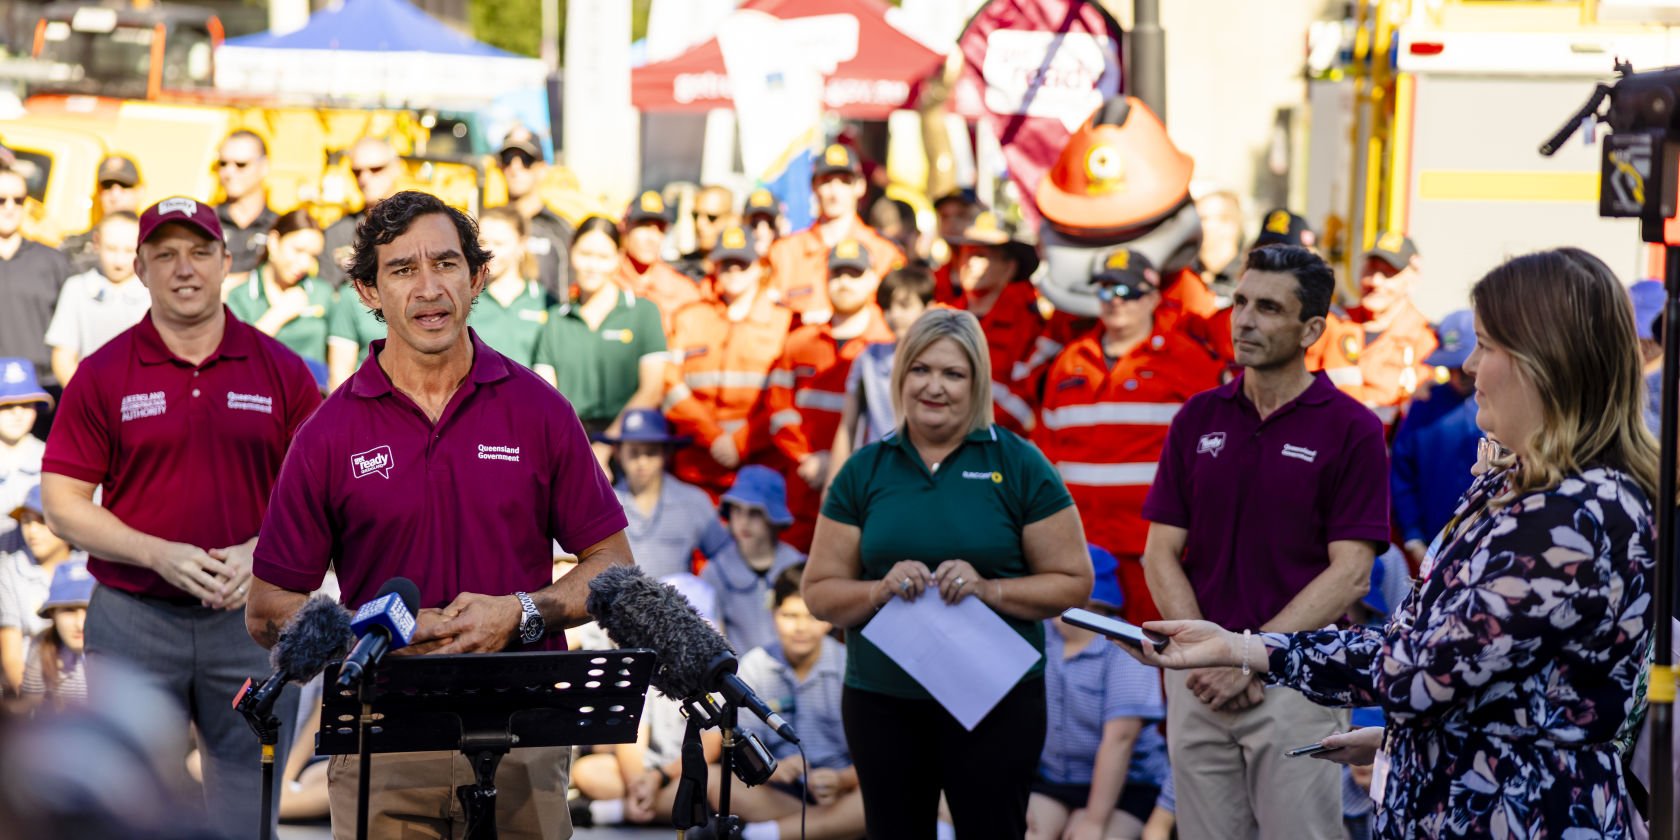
(1315, 282)
(392, 218)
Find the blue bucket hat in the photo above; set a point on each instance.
(72, 586)
(643, 425)
(759, 487)
(1457, 336)
(1105, 582)
(1648, 300)
(18, 385)
(31, 504)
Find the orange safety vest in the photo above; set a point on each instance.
(715, 385)
(1383, 374)
(1104, 429)
(668, 288)
(1018, 348)
(807, 394)
(799, 267)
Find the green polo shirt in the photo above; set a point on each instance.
(305, 335)
(513, 330)
(351, 320)
(597, 369)
(973, 508)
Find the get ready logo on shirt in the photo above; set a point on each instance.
(377, 460)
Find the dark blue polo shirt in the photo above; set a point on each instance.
(1263, 499)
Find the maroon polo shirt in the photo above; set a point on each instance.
(185, 453)
(470, 504)
(1263, 499)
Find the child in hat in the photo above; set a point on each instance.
(21, 400)
(744, 573)
(54, 674)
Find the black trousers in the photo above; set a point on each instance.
(907, 751)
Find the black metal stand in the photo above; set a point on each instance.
(256, 703)
(744, 757)
(1661, 697)
(483, 706)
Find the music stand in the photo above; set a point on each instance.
(483, 705)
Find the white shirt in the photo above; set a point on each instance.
(92, 310)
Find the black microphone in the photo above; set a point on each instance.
(316, 634)
(381, 625)
(639, 612)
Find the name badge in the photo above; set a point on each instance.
(1379, 777)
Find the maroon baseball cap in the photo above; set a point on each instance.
(187, 211)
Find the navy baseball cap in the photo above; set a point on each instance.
(650, 206)
(1648, 300)
(1394, 248)
(1282, 227)
(734, 244)
(1456, 335)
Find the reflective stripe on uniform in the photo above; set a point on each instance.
(1111, 413)
(731, 426)
(675, 396)
(781, 379)
(1015, 406)
(1044, 350)
(1107, 475)
(824, 400)
(725, 379)
(783, 419)
(1343, 377)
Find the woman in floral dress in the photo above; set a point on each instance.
(1512, 672)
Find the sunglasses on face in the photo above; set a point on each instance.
(13, 199)
(1123, 291)
(524, 160)
(225, 163)
(359, 171)
(112, 185)
(732, 266)
(710, 217)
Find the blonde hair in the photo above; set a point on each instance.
(963, 329)
(1567, 323)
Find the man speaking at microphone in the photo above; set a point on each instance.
(443, 462)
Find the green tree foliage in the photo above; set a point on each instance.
(516, 25)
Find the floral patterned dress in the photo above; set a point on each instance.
(1512, 669)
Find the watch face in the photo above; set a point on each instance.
(531, 629)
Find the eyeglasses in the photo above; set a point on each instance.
(13, 199)
(224, 163)
(525, 160)
(1123, 291)
(359, 171)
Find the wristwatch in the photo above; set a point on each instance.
(531, 626)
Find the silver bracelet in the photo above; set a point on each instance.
(1246, 636)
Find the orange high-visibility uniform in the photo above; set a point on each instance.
(715, 385)
(1384, 373)
(1019, 349)
(799, 267)
(1190, 293)
(1104, 428)
(668, 288)
(807, 394)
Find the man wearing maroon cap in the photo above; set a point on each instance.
(1268, 504)
(441, 461)
(183, 420)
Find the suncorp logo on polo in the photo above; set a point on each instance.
(982, 475)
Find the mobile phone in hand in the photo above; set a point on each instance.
(1309, 750)
(1114, 628)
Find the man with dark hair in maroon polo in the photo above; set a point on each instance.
(441, 461)
(184, 420)
(1267, 509)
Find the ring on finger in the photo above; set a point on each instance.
(904, 584)
(959, 581)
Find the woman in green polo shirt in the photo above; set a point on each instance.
(282, 297)
(511, 311)
(605, 348)
(953, 505)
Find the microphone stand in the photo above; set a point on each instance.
(259, 714)
(364, 753)
(744, 757)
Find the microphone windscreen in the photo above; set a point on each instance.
(317, 634)
(639, 612)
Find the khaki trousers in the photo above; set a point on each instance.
(411, 796)
(1231, 777)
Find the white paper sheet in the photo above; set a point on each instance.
(964, 654)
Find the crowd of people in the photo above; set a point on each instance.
(794, 428)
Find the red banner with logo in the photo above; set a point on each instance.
(1036, 69)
